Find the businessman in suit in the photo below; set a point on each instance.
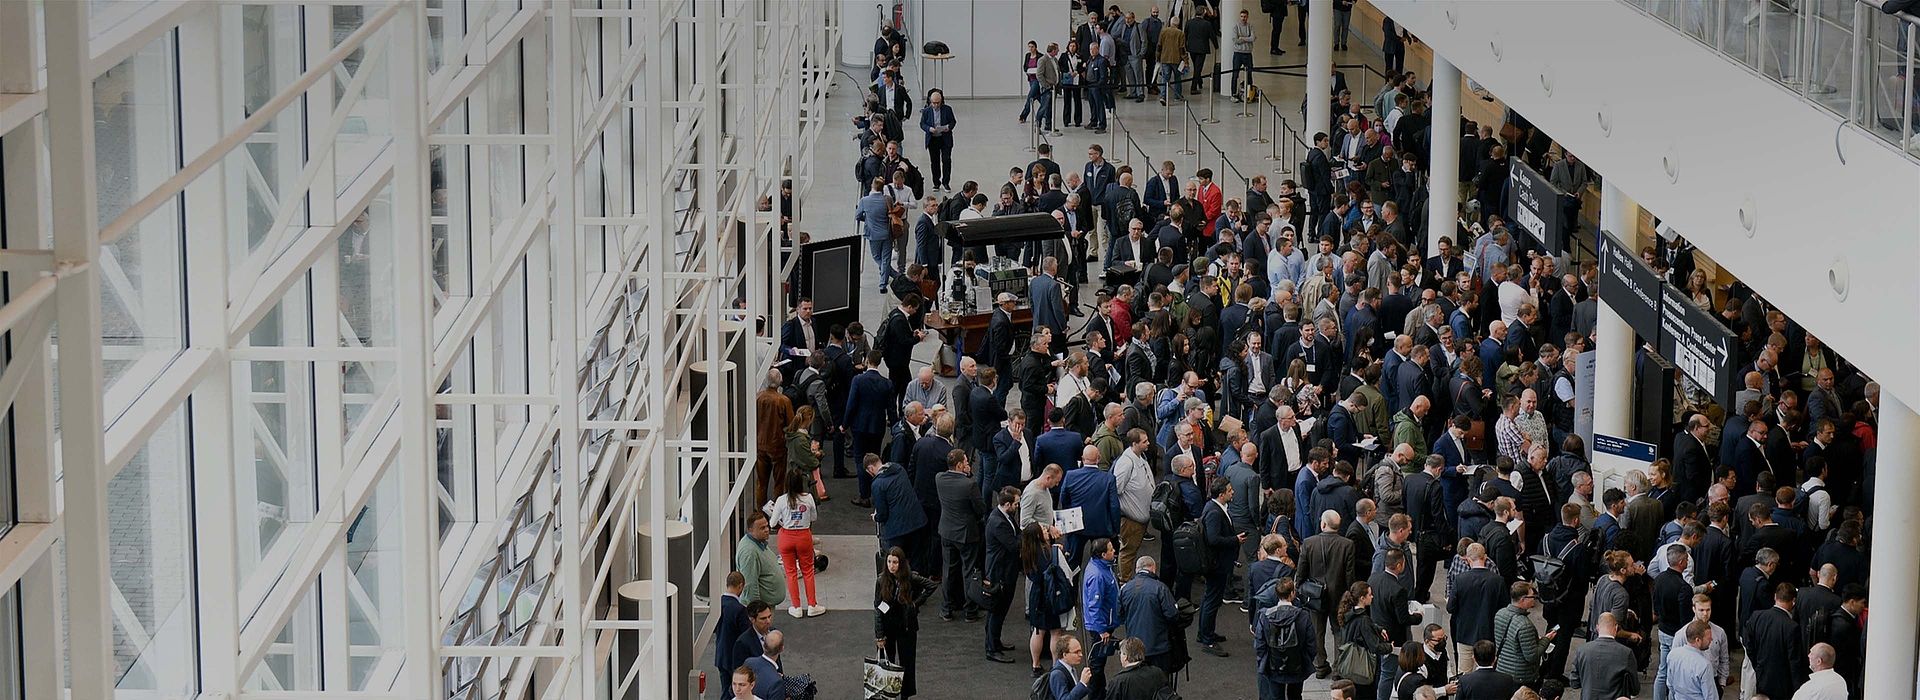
(866, 416)
(937, 122)
(798, 333)
(1692, 468)
(961, 511)
(892, 96)
(1012, 454)
(769, 681)
(1002, 567)
(986, 414)
(733, 623)
(1049, 302)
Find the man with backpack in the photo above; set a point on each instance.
(1284, 645)
(1563, 589)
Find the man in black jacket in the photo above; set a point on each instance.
(1425, 501)
(898, 334)
(1223, 540)
(1477, 595)
(1035, 372)
(1775, 646)
(1483, 682)
(1499, 541)
(1327, 559)
(1566, 543)
(960, 519)
(1389, 609)
(987, 413)
(1003, 568)
(1672, 609)
(1692, 467)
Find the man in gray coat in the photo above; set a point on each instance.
(1603, 669)
(1328, 559)
(961, 513)
(1047, 296)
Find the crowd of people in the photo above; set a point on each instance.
(1273, 402)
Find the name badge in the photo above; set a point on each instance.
(1310, 369)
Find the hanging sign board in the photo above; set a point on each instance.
(1628, 286)
(1696, 343)
(1535, 208)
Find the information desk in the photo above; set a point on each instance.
(970, 330)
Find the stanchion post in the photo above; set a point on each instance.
(1213, 112)
(1192, 124)
(1166, 109)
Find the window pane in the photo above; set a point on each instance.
(10, 681)
(150, 530)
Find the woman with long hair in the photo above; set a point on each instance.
(1040, 553)
(1073, 74)
(803, 451)
(897, 597)
(1357, 627)
(793, 513)
(1296, 378)
(1699, 291)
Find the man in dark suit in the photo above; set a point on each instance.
(1605, 669)
(1775, 646)
(1389, 609)
(751, 642)
(1012, 453)
(1162, 189)
(924, 465)
(1477, 595)
(866, 416)
(1223, 541)
(1502, 547)
(1764, 533)
(1750, 453)
(733, 623)
(1692, 467)
(1003, 567)
(1057, 445)
(961, 511)
(987, 413)
(1317, 355)
(1318, 177)
(1442, 267)
(937, 122)
(1326, 558)
(798, 333)
(1483, 682)
(898, 334)
(1425, 502)
(1000, 349)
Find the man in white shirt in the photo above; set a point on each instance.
(1512, 295)
(1820, 506)
(1824, 684)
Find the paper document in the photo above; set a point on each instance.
(1070, 520)
(1369, 444)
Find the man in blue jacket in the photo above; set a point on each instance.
(937, 122)
(1305, 515)
(866, 416)
(895, 507)
(1047, 296)
(1058, 445)
(1282, 671)
(733, 623)
(1093, 490)
(872, 211)
(1100, 591)
(1147, 611)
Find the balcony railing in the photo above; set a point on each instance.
(1845, 56)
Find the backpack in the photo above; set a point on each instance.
(1042, 688)
(1166, 509)
(797, 391)
(1190, 548)
(1266, 596)
(1282, 638)
(1060, 590)
(1552, 573)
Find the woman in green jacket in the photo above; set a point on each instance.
(803, 452)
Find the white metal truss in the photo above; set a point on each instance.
(351, 348)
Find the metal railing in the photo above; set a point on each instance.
(1844, 56)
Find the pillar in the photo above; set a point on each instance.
(1894, 600)
(1229, 18)
(1443, 192)
(1319, 67)
(1613, 339)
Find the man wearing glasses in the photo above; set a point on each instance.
(1517, 643)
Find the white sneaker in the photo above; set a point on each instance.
(816, 610)
(797, 612)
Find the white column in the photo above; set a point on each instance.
(1895, 600)
(1229, 18)
(860, 26)
(1613, 338)
(1319, 67)
(1443, 191)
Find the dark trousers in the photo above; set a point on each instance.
(865, 444)
(1200, 71)
(1240, 61)
(1096, 107)
(1210, 607)
(997, 618)
(900, 649)
(1070, 111)
(900, 376)
(1423, 576)
(1567, 616)
(1273, 39)
(1396, 61)
(940, 151)
(925, 552)
(840, 453)
(984, 474)
(960, 558)
(1324, 631)
(1269, 689)
(1302, 27)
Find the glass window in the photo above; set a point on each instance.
(149, 540)
(11, 684)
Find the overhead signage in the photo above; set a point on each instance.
(1696, 343)
(1628, 286)
(1535, 207)
(1624, 448)
(1615, 457)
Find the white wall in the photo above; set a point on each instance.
(1732, 138)
(987, 38)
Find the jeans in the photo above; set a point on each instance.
(1033, 93)
(1169, 74)
(1097, 107)
(1044, 115)
(796, 556)
(1342, 19)
(1660, 677)
(881, 249)
(1383, 681)
(1241, 60)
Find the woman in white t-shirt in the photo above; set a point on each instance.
(793, 513)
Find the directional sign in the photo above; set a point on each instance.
(1696, 343)
(1535, 208)
(1628, 286)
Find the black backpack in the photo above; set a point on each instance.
(1042, 688)
(1554, 574)
(797, 391)
(1190, 548)
(1282, 638)
(1166, 510)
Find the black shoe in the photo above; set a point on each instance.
(1215, 650)
(1322, 673)
(1303, 42)
(1038, 672)
(1277, 52)
(999, 658)
(974, 616)
(946, 617)
(843, 475)
(1006, 647)
(863, 503)
(1149, 537)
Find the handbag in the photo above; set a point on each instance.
(882, 679)
(1355, 663)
